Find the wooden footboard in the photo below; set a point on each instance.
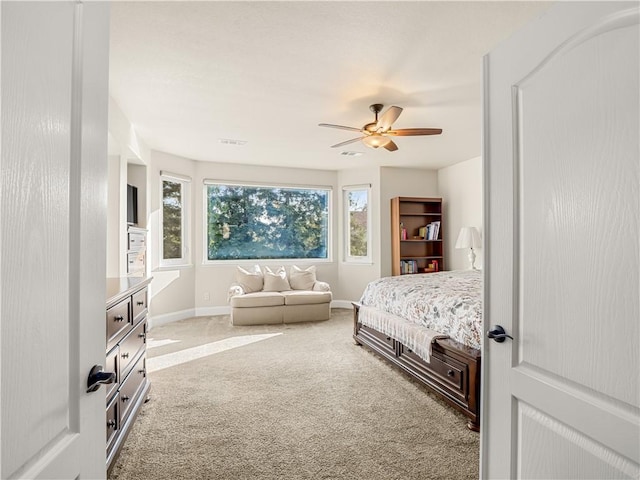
(453, 372)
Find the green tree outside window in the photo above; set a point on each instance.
(358, 215)
(247, 222)
(172, 200)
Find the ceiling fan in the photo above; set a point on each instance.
(376, 134)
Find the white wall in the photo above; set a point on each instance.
(124, 135)
(400, 182)
(116, 212)
(460, 186)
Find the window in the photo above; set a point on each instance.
(357, 216)
(173, 220)
(247, 222)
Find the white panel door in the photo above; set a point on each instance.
(54, 82)
(562, 157)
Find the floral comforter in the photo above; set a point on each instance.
(446, 302)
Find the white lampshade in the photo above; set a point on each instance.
(469, 237)
(376, 140)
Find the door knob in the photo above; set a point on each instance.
(97, 376)
(498, 334)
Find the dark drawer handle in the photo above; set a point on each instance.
(143, 372)
(450, 373)
(140, 303)
(111, 423)
(409, 350)
(388, 338)
(118, 318)
(142, 335)
(125, 398)
(125, 355)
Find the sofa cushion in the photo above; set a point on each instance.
(302, 279)
(275, 281)
(258, 299)
(305, 297)
(250, 280)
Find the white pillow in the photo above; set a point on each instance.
(302, 279)
(251, 281)
(276, 282)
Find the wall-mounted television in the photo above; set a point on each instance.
(132, 205)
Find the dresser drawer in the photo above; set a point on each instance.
(130, 346)
(118, 321)
(136, 240)
(139, 304)
(112, 366)
(113, 422)
(449, 371)
(131, 388)
(442, 373)
(136, 262)
(383, 341)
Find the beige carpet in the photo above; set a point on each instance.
(306, 404)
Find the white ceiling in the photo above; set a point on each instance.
(188, 74)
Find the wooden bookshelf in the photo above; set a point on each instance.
(413, 251)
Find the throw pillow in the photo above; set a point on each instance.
(302, 279)
(251, 281)
(276, 281)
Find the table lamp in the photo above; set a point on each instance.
(469, 237)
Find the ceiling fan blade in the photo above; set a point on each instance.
(392, 147)
(407, 132)
(347, 142)
(341, 127)
(387, 118)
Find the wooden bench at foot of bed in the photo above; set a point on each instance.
(453, 372)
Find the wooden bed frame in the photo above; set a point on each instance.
(453, 372)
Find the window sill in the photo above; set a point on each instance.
(269, 262)
(182, 266)
(365, 263)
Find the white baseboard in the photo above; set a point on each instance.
(157, 320)
(341, 304)
(209, 311)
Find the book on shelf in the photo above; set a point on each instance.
(436, 229)
(403, 232)
(408, 266)
(432, 231)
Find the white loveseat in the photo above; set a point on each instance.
(259, 298)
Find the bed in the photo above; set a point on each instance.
(429, 326)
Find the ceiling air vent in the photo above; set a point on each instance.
(229, 141)
(351, 154)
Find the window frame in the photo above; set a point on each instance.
(266, 261)
(346, 213)
(185, 258)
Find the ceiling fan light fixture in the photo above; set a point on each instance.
(375, 140)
